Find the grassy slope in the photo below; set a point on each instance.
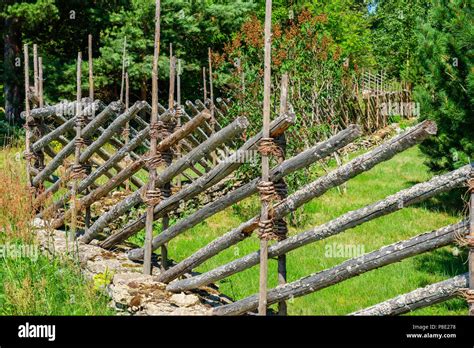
(387, 178)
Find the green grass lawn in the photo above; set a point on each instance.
(401, 172)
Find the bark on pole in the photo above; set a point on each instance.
(315, 189)
(353, 267)
(35, 70)
(204, 83)
(419, 298)
(171, 107)
(123, 68)
(281, 142)
(87, 218)
(147, 267)
(28, 118)
(344, 222)
(127, 129)
(178, 116)
(262, 302)
(77, 154)
(291, 165)
(40, 82)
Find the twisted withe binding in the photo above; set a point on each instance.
(151, 197)
(79, 142)
(268, 147)
(78, 171)
(153, 161)
(267, 191)
(467, 294)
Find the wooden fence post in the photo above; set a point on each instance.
(266, 222)
(153, 196)
(88, 165)
(281, 190)
(204, 84)
(77, 170)
(122, 85)
(28, 119)
(178, 116)
(168, 157)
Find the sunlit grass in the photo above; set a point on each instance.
(401, 172)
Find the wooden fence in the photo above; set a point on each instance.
(102, 149)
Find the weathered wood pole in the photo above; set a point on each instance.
(152, 195)
(28, 119)
(77, 169)
(262, 299)
(126, 130)
(353, 267)
(281, 189)
(40, 85)
(178, 116)
(471, 241)
(211, 96)
(87, 216)
(168, 155)
(35, 72)
(419, 298)
(123, 68)
(204, 83)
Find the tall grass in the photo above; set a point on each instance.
(41, 285)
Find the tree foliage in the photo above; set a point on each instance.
(446, 89)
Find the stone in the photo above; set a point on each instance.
(183, 300)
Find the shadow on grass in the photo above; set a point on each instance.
(452, 202)
(442, 262)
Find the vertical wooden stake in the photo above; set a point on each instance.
(172, 79)
(77, 154)
(171, 107)
(211, 95)
(127, 127)
(40, 82)
(123, 68)
(178, 115)
(262, 304)
(211, 86)
(35, 70)
(282, 307)
(147, 268)
(204, 84)
(91, 75)
(87, 216)
(28, 117)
